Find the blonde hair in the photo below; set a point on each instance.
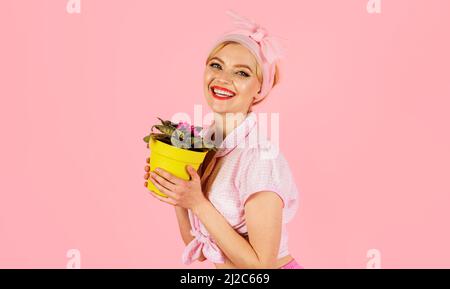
(259, 75)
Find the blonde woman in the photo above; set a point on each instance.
(233, 211)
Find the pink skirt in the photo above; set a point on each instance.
(292, 265)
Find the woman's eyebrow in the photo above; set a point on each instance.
(237, 65)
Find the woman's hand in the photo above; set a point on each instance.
(147, 172)
(182, 193)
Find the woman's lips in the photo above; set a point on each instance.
(221, 93)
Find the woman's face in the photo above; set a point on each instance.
(230, 80)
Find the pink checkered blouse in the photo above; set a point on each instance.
(246, 163)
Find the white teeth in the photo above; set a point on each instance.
(222, 92)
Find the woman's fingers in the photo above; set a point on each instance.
(168, 176)
(162, 181)
(146, 184)
(163, 199)
(147, 169)
(162, 188)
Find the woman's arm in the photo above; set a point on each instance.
(263, 214)
(182, 217)
(185, 227)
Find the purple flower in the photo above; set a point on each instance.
(187, 128)
(182, 125)
(195, 131)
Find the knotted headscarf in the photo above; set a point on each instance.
(266, 48)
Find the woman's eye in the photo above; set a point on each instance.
(243, 73)
(215, 65)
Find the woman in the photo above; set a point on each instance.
(234, 211)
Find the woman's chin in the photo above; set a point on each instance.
(220, 108)
(219, 105)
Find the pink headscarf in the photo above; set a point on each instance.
(266, 48)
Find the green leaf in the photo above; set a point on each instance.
(166, 122)
(161, 137)
(177, 139)
(197, 142)
(168, 130)
(182, 138)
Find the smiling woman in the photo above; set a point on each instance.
(234, 58)
(230, 83)
(219, 208)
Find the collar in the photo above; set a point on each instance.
(235, 137)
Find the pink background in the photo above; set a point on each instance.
(370, 151)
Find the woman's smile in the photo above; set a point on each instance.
(222, 93)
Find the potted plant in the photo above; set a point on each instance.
(175, 146)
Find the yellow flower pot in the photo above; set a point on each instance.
(172, 159)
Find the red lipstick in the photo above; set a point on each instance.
(221, 93)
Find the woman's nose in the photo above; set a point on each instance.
(225, 78)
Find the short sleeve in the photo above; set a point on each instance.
(258, 172)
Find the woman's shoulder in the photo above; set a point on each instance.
(262, 151)
(264, 159)
(265, 168)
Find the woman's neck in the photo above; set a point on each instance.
(225, 123)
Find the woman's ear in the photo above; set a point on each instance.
(255, 99)
(257, 96)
